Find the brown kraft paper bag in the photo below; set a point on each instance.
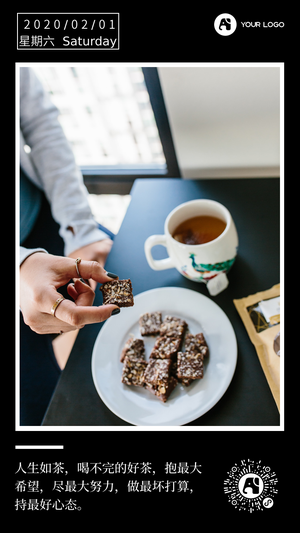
(260, 314)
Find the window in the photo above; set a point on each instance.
(115, 120)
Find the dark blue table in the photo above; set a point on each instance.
(255, 207)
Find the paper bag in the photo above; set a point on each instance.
(260, 314)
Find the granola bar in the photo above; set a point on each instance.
(185, 381)
(190, 365)
(196, 343)
(117, 292)
(166, 347)
(133, 347)
(158, 378)
(133, 371)
(173, 327)
(150, 323)
(163, 392)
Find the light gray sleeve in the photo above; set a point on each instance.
(26, 252)
(56, 172)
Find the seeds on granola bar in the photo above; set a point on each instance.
(117, 292)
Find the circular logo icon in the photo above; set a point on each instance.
(225, 24)
(250, 486)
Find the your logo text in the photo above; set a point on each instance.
(258, 24)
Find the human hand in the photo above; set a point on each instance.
(41, 275)
(96, 251)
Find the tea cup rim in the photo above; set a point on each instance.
(206, 244)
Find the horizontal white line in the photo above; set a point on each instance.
(39, 447)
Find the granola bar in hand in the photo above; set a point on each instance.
(117, 292)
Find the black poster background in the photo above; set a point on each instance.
(155, 34)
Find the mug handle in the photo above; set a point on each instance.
(157, 264)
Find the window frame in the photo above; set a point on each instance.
(118, 179)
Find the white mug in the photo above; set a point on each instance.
(207, 263)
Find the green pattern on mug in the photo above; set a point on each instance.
(207, 270)
(224, 266)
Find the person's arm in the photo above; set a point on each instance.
(26, 252)
(55, 165)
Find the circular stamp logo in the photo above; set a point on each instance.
(251, 486)
(225, 24)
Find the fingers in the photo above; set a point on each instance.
(93, 270)
(81, 293)
(87, 269)
(42, 275)
(79, 315)
(81, 311)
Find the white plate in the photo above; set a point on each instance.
(137, 405)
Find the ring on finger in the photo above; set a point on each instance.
(77, 261)
(86, 281)
(55, 305)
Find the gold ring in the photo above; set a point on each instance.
(55, 305)
(77, 261)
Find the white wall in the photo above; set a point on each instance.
(225, 120)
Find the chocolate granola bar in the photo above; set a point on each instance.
(166, 348)
(196, 343)
(173, 327)
(133, 371)
(133, 347)
(163, 391)
(184, 381)
(150, 323)
(158, 378)
(117, 292)
(190, 365)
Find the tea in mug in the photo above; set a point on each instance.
(199, 230)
